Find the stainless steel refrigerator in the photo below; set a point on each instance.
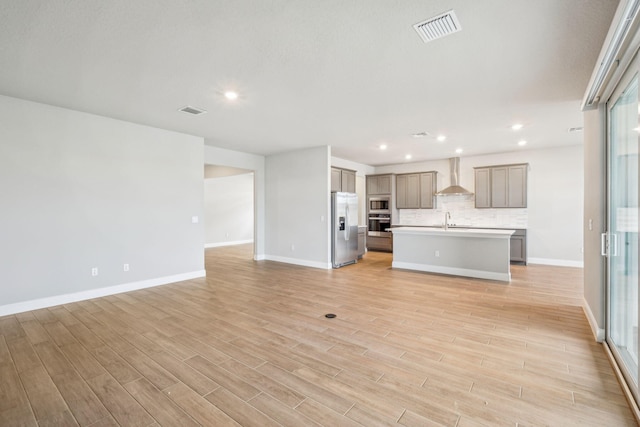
(344, 229)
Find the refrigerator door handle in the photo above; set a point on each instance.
(348, 225)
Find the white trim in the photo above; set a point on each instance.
(480, 274)
(219, 244)
(302, 262)
(598, 332)
(260, 257)
(556, 262)
(39, 303)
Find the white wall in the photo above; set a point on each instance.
(595, 192)
(298, 207)
(228, 210)
(255, 163)
(82, 191)
(555, 198)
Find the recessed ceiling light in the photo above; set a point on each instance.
(458, 150)
(441, 138)
(420, 134)
(516, 126)
(231, 95)
(522, 143)
(383, 146)
(408, 157)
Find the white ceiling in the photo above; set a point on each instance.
(352, 74)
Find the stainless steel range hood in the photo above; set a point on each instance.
(454, 188)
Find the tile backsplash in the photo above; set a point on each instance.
(463, 213)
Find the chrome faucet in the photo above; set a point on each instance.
(447, 217)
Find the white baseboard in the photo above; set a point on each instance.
(598, 332)
(556, 262)
(219, 244)
(259, 257)
(491, 275)
(39, 303)
(302, 262)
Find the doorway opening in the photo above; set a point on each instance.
(229, 208)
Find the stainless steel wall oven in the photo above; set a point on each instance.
(379, 225)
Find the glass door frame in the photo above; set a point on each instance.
(611, 246)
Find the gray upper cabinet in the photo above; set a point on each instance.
(343, 180)
(408, 191)
(348, 181)
(517, 191)
(415, 190)
(379, 184)
(499, 187)
(503, 186)
(401, 191)
(482, 189)
(427, 189)
(336, 180)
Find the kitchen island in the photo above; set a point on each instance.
(473, 252)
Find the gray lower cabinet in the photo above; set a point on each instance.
(343, 180)
(384, 244)
(519, 247)
(362, 241)
(503, 186)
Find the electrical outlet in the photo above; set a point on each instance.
(125, 267)
(293, 248)
(437, 253)
(94, 271)
(226, 235)
(194, 219)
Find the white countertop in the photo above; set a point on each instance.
(455, 232)
(485, 227)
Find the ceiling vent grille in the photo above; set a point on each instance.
(438, 26)
(192, 110)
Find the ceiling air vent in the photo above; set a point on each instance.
(192, 110)
(438, 26)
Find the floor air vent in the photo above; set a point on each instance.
(192, 110)
(438, 26)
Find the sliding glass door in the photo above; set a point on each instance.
(620, 243)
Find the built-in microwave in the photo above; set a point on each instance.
(379, 204)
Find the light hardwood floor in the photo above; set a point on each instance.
(250, 346)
